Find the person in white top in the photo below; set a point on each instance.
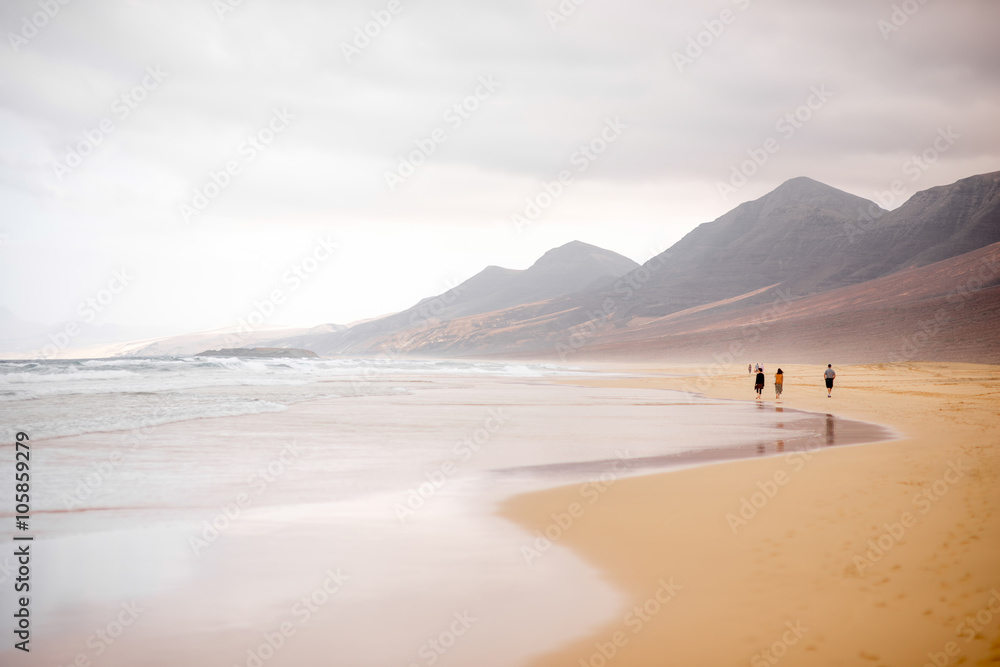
(829, 374)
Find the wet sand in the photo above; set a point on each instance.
(880, 554)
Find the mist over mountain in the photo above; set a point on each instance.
(22, 339)
(12, 327)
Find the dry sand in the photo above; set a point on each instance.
(804, 560)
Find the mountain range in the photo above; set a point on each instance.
(805, 270)
(803, 240)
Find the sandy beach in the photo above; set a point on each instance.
(778, 528)
(876, 554)
(375, 502)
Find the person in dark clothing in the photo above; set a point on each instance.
(828, 375)
(759, 383)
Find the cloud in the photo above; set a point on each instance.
(751, 64)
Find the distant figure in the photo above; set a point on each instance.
(757, 368)
(759, 383)
(749, 369)
(779, 380)
(829, 374)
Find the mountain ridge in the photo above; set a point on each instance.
(801, 239)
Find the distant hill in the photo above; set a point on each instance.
(287, 338)
(27, 340)
(260, 353)
(559, 272)
(95, 342)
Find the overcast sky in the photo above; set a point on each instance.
(115, 115)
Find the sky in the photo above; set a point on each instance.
(187, 162)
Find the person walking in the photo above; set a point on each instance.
(759, 383)
(828, 375)
(749, 369)
(779, 381)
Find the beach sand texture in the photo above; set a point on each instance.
(800, 578)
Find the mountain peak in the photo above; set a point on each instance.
(577, 252)
(803, 191)
(572, 248)
(803, 187)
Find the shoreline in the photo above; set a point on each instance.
(662, 541)
(803, 557)
(459, 554)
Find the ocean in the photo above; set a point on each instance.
(53, 398)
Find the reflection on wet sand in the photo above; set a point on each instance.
(808, 433)
(780, 445)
